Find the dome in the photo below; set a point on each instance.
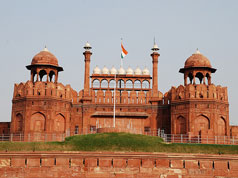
(96, 70)
(197, 60)
(146, 71)
(44, 58)
(121, 71)
(105, 70)
(137, 71)
(113, 70)
(129, 71)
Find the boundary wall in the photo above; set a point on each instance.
(116, 165)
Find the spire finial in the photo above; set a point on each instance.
(155, 47)
(45, 49)
(87, 46)
(197, 51)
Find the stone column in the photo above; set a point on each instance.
(155, 55)
(87, 55)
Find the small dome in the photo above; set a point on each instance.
(137, 71)
(129, 71)
(113, 70)
(146, 71)
(96, 70)
(44, 58)
(105, 70)
(121, 71)
(197, 60)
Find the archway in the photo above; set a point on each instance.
(221, 129)
(181, 125)
(19, 122)
(37, 122)
(145, 84)
(137, 84)
(201, 123)
(59, 123)
(52, 76)
(96, 83)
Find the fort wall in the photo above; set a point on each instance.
(113, 164)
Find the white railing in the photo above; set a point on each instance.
(169, 138)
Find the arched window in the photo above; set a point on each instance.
(145, 84)
(104, 84)
(43, 75)
(96, 83)
(129, 84)
(52, 76)
(121, 84)
(207, 78)
(137, 84)
(221, 126)
(112, 83)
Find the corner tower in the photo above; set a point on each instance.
(199, 108)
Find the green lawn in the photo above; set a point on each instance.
(118, 142)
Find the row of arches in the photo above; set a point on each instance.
(201, 123)
(197, 78)
(44, 76)
(137, 84)
(38, 123)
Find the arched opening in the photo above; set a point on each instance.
(96, 83)
(112, 83)
(201, 123)
(208, 78)
(34, 76)
(52, 76)
(137, 84)
(181, 125)
(129, 84)
(19, 123)
(199, 76)
(221, 123)
(104, 84)
(43, 75)
(121, 84)
(37, 122)
(59, 123)
(190, 77)
(145, 84)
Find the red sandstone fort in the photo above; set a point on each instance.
(43, 105)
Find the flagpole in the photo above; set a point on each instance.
(114, 106)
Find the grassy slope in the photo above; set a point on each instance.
(118, 142)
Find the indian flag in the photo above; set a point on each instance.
(123, 51)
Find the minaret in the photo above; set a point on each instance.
(87, 54)
(155, 55)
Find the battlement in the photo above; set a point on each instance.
(199, 92)
(42, 89)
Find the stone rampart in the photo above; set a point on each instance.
(116, 164)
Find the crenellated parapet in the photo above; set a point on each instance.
(199, 92)
(43, 89)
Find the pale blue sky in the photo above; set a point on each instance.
(180, 27)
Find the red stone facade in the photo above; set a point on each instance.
(43, 105)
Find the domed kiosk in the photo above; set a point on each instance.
(44, 63)
(197, 66)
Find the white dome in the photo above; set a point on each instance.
(137, 71)
(87, 45)
(105, 70)
(129, 71)
(96, 70)
(113, 70)
(121, 71)
(146, 71)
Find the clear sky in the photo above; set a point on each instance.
(179, 27)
